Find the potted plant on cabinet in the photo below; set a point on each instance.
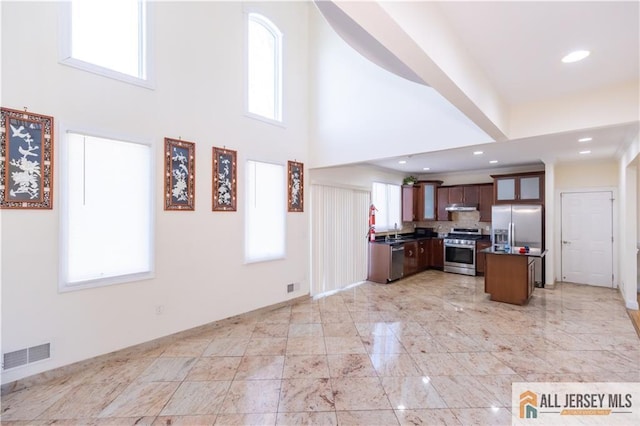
(409, 180)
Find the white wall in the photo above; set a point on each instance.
(598, 175)
(358, 176)
(200, 276)
(587, 174)
(362, 112)
(629, 222)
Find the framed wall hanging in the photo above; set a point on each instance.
(224, 179)
(179, 174)
(26, 160)
(295, 187)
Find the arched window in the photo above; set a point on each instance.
(264, 68)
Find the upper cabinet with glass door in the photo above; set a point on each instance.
(519, 188)
(427, 205)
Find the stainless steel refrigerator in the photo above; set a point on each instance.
(518, 225)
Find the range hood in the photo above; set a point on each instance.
(461, 208)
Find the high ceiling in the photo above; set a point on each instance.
(518, 46)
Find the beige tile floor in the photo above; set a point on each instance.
(430, 349)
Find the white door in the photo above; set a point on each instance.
(587, 238)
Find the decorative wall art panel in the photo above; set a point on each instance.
(180, 174)
(224, 179)
(296, 187)
(26, 160)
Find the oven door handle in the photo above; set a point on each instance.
(460, 246)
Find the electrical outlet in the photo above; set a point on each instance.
(290, 288)
(159, 309)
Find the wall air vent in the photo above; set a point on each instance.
(26, 356)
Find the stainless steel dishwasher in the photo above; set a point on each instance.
(397, 262)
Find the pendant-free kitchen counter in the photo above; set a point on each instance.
(510, 275)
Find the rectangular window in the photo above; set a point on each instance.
(107, 38)
(388, 201)
(265, 212)
(106, 217)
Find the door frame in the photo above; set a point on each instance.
(557, 243)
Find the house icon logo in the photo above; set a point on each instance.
(528, 405)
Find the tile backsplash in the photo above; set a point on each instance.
(458, 220)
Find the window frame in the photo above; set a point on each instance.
(261, 18)
(283, 217)
(63, 284)
(145, 62)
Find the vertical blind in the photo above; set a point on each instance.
(339, 220)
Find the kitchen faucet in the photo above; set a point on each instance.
(395, 228)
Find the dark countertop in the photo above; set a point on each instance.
(515, 251)
(407, 238)
(404, 238)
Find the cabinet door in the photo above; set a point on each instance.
(485, 196)
(471, 195)
(428, 201)
(423, 255)
(443, 200)
(456, 195)
(530, 188)
(408, 203)
(437, 253)
(410, 258)
(506, 189)
(480, 257)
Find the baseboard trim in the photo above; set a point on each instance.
(62, 374)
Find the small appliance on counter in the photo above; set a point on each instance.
(424, 232)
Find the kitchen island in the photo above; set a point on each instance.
(509, 275)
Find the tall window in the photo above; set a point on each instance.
(265, 212)
(264, 68)
(107, 37)
(388, 200)
(106, 216)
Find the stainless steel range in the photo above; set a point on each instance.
(460, 250)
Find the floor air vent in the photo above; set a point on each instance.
(26, 356)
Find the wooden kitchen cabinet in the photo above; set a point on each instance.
(419, 201)
(509, 278)
(519, 188)
(410, 258)
(456, 195)
(437, 253)
(442, 201)
(427, 201)
(471, 195)
(485, 201)
(409, 202)
(460, 194)
(480, 262)
(424, 254)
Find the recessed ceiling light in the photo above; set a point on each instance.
(478, 152)
(426, 168)
(585, 152)
(576, 56)
(493, 161)
(402, 162)
(584, 139)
